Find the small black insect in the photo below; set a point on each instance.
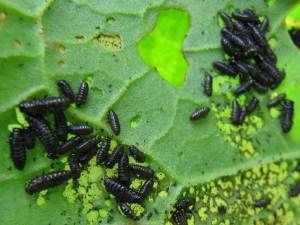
(136, 154)
(87, 145)
(236, 111)
(114, 156)
(185, 203)
(45, 135)
(61, 126)
(222, 210)
(74, 165)
(271, 70)
(257, 74)
(246, 16)
(252, 105)
(258, 35)
(227, 20)
(88, 155)
(259, 87)
(126, 210)
(17, 148)
(237, 40)
(276, 101)
(243, 88)
(287, 116)
(82, 94)
(228, 47)
(70, 145)
(146, 188)
(200, 113)
(66, 90)
(29, 138)
(265, 25)
(114, 122)
(123, 170)
(225, 68)
(39, 107)
(243, 114)
(47, 181)
(121, 192)
(145, 172)
(242, 69)
(80, 129)
(262, 203)
(179, 217)
(208, 84)
(102, 154)
(295, 190)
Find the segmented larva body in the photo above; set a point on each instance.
(88, 155)
(29, 138)
(179, 217)
(236, 111)
(114, 156)
(136, 154)
(123, 170)
(61, 126)
(252, 105)
(17, 148)
(287, 116)
(85, 146)
(208, 85)
(102, 154)
(127, 211)
(199, 113)
(185, 203)
(145, 172)
(146, 188)
(82, 94)
(245, 16)
(70, 145)
(80, 129)
(243, 88)
(47, 181)
(262, 203)
(114, 122)
(225, 68)
(66, 90)
(74, 165)
(277, 100)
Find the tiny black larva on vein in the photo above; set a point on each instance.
(114, 122)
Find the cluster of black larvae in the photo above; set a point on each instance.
(182, 211)
(251, 58)
(80, 148)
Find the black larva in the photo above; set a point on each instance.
(74, 165)
(287, 116)
(258, 35)
(243, 114)
(295, 190)
(66, 90)
(45, 135)
(88, 155)
(85, 146)
(227, 20)
(252, 105)
(145, 172)
(121, 192)
(42, 106)
(245, 16)
(257, 74)
(236, 111)
(259, 87)
(179, 217)
(228, 47)
(114, 156)
(279, 99)
(208, 85)
(126, 210)
(17, 148)
(185, 203)
(235, 39)
(146, 188)
(82, 94)
(47, 181)
(243, 88)
(136, 154)
(265, 25)
(80, 129)
(262, 203)
(114, 122)
(61, 126)
(225, 68)
(199, 113)
(29, 138)
(102, 154)
(123, 170)
(70, 145)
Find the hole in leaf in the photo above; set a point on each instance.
(98, 92)
(18, 44)
(79, 38)
(61, 63)
(89, 79)
(110, 20)
(162, 47)
(59, 47)
(111, 43)
(134, 122)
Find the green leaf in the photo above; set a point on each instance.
(98, 41)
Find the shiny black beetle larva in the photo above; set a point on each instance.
(236, 111)
(179, 217)
(85, 146)
(136, 154)
(243, 114)
(121, 192)
(45, 135)
(225, 68)
(82, 94)
(252, 105)
(74, 165)
(61, 126)
(257, 74)
(279, 99)
(185, 203)
(29, 138)
(143, 171)
(228, 47)
(47, 181)
(287, 116)
(114, 156)
(17, 148)
(295, 190)
(114, 122)
(259, 87)
(265, 25)
(88, 155)
(245, 16)
(126, 210)
(66, 90)
(123, 170)
(70, 145)
(80, 129)
(146, 188)
(243, 88)
(235, 39)
(208, 85)
(227, 20)
(42, 106)
(258, 35)
(262, 203)
(102, 154)
(199, 113)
